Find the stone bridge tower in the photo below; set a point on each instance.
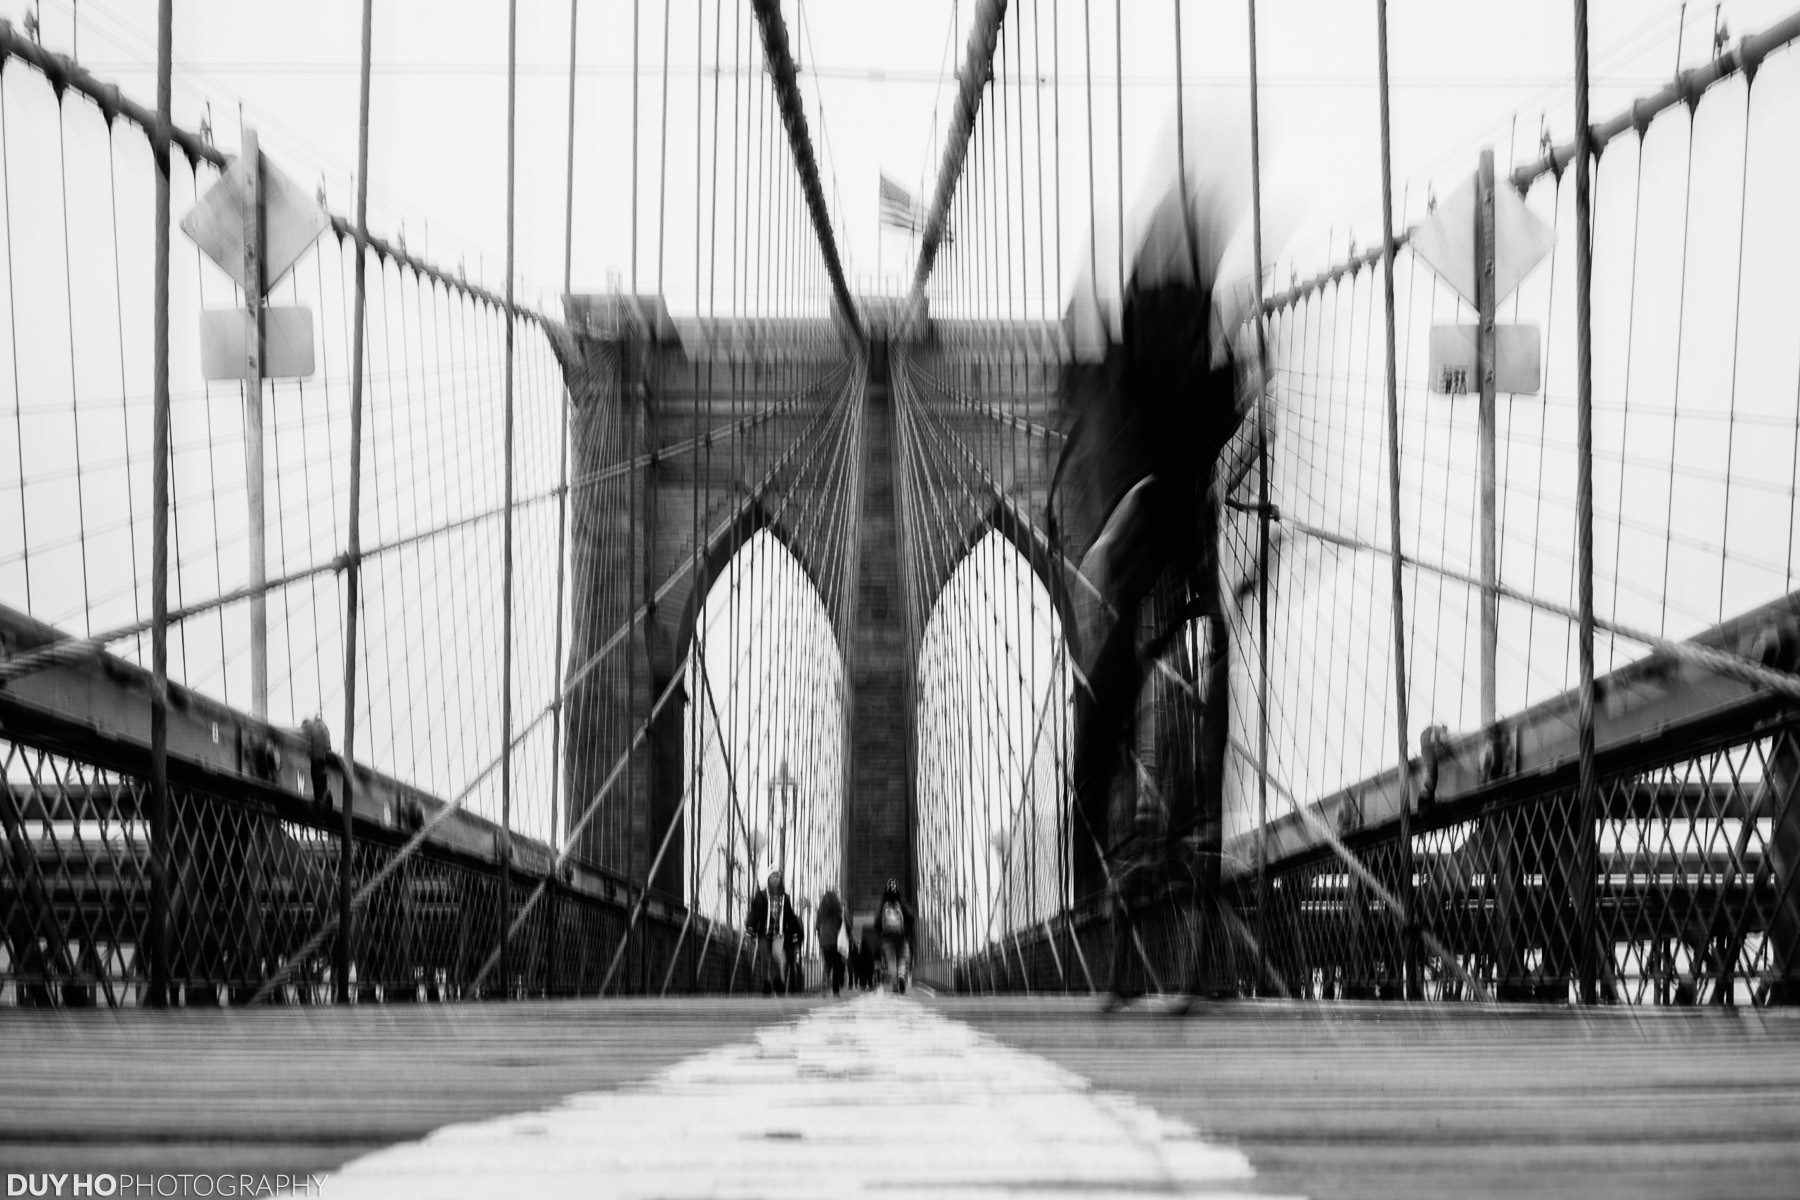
(686, 442)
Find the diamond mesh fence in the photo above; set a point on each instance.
(1694, 901)
(253, 874)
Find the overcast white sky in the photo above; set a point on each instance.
(879, 73)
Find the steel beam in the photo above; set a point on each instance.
(793, 115)
(976, 73)
(97, 711)
(1641, 712)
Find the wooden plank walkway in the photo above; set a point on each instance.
(1378, 1100)
(1326, 1100)
(307, 1089)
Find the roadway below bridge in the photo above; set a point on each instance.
(917, 1096)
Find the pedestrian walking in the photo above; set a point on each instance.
(828, 923)
(778, 933)
(894, 923)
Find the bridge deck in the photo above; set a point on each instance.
(1340, 1100)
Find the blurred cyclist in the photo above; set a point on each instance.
(1139, 489)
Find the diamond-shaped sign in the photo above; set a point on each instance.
(1447, 241)
(292, 221)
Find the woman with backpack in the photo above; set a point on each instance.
(894, 922)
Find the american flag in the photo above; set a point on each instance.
(899, 208)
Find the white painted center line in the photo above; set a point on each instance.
(877, 1096)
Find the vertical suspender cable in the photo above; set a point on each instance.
(1181, 175)
(557, 776)
(1037, 162)
(12, 308)
(631, 373)
(1588, 806)
(506, 553)
(728, 733)
(1119, 111)
(1004, 192)
(1039, 906)
(1262, 516)
(759, 632)
(1064, 882)
(662, 169)
(353, 547)
(259, 622)
(697, 777)
(991, 280)
(634, 145)
(569, 168)
(1410, 943)
(159, 582)
(1087, 43)
(1017, 113)
(1056, 136)
(1188, 721)
(755, 193)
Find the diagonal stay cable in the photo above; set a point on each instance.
(1783, 683)
(69, 648)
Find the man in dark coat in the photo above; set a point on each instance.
(828, 923)
(863, 952)
(778, 933)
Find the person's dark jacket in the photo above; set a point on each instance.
(829, 920)
(793, 933)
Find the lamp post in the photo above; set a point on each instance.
(999, 841)
(782, 792)
(753, 845)
(940, 910)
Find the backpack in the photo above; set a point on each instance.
(893, 918)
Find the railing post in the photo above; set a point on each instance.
(1587, 807)
(254, 490)
(158, 950)
(353, 549)
(506, 568)
(559, 779)
(1484, 370)
(1262, 524)
(256, 849)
